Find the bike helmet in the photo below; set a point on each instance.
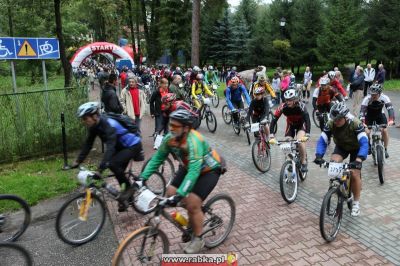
(324, 81)
(261, 78)
(290, 94)
(210, 68)
(196, 69)
(183, 116)
(234, 68)
(235, 80)
(199, 76)
(177, 69)
(259, 90)
(87, 109)
(338, 110)
(331, 74)
(376, 88)
(169, 97)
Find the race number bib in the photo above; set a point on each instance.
(255, 127)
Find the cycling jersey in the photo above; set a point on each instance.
(177, 105)
(322, 97)
(200, 88)
(210, 77)
(296, 116)
(372, 110)
(350, 137)
(258, 108)
(194, 152)
(335, 83)
(235, 95)
(267, 87)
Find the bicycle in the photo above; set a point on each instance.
(332, 205)
(205, 113)
(290, 170)
(15, 217)
(260, 151)
(12, 254)
(226, 114)
(378, 149)
(134, 253)
(242, 113)
(317, 117)
(215, 98)
(75, 212)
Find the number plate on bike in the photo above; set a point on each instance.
(158, 141)
(286, 147)
(144, 199)
(335, 169)
(215, 87)
(207, 101)
(255, 127)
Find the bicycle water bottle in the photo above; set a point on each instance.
(179, 218)
(112, 190)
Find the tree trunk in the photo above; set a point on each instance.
(63, 56)
(145, 26)
(10, 21)
(131, 28)
(137, 55)
(196, 33)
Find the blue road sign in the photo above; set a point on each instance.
(29, 48)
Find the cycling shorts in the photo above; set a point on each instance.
(344, 154)
(291, 130)
(379, 120)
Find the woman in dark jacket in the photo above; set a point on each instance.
(156, 107)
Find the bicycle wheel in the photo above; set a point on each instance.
(12, 254)
(76, 229)
(261, 156)
(156, 184)
(248, 135)
(219, 217)
(226, 116)
(144, 246)
(211, 121)
(315, 118)
(166, 169)
(302, 175)
(288, 182)
(331, 214)
(379, 160)
(215, 100)
(15, 216)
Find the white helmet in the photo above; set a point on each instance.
(290, 94)
(87, 108)
(196, 69)
(324, 81)
(210, 68)
(331, 74)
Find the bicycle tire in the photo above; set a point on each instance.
(207, 209)
(215, 100)
(24, 256)
(162, 181)
(225, 115)
(379, 160)
(93, 234)
(119, 254)
(284, 179)
(4, 219)
(210, 118)
(302, 175)
(275, 129)
(325, 210)
(255, 153)
(315, 118)
(162, 169)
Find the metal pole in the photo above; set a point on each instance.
(45, 87)
(14, 80)
(64, 143)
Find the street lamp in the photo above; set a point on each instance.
(282, 23)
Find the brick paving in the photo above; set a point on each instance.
(268, 231)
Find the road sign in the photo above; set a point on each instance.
(29, 48)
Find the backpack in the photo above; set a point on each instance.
(125, 121)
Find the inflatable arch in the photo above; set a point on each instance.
(96, 48)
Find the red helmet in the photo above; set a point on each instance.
(169, 97)
(235, 80)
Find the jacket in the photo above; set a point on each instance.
(126, 100)
(110, 100)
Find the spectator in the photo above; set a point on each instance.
(103, 76)
(285, 81)
(133, 101)
(109, 96)
(357, 86)
(276, 82)
(380, 77)
(123, 76)
(369, 76)
(156, 106)
(175, 87)
(307, 81)
(353, 75)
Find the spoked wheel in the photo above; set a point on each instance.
(215, 100)
(166, 169)
(15, 216)
(78, 221)
(261, 156)
(331, 214)
(219, 217)
(315, 118)
(248, 135)
(144, 246)
(226, 116)
(211, 121)
(302, 175)
(12, 254)
(288, 182)
(379, 160)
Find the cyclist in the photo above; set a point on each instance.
(335, 83)
(199, 89)
(259, 109)
(196, 70)
(234, 100)
(121, 146)
(350, 138)
(231, 74)
(268, 90)
(322, 99)
(196, 177)
(210, 76)
(372, 111)
(297, 122)
(172, 104)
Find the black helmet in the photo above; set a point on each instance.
(376, 88)
(87, 109)
(183, 116)
(338, 110)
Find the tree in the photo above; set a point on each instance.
(238, 42)
(196, 33)
(247, 10)
(221, 36)
(282, 47)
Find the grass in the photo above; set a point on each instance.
(35, 180)
(392, 85)
(24, 84)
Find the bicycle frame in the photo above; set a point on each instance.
(343, 182)
(376, 135)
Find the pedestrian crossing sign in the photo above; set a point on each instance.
(26, 49)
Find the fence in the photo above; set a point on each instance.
(30, 122)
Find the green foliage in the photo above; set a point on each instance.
(282, 46)
(247, 10)
(222, 37)
(238, 43)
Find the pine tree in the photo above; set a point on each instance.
(222, 37)
(238, 43)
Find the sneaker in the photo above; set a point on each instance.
(304, 168)
(126, 194)
(386, 154)
(355, 210)
(194, 246)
